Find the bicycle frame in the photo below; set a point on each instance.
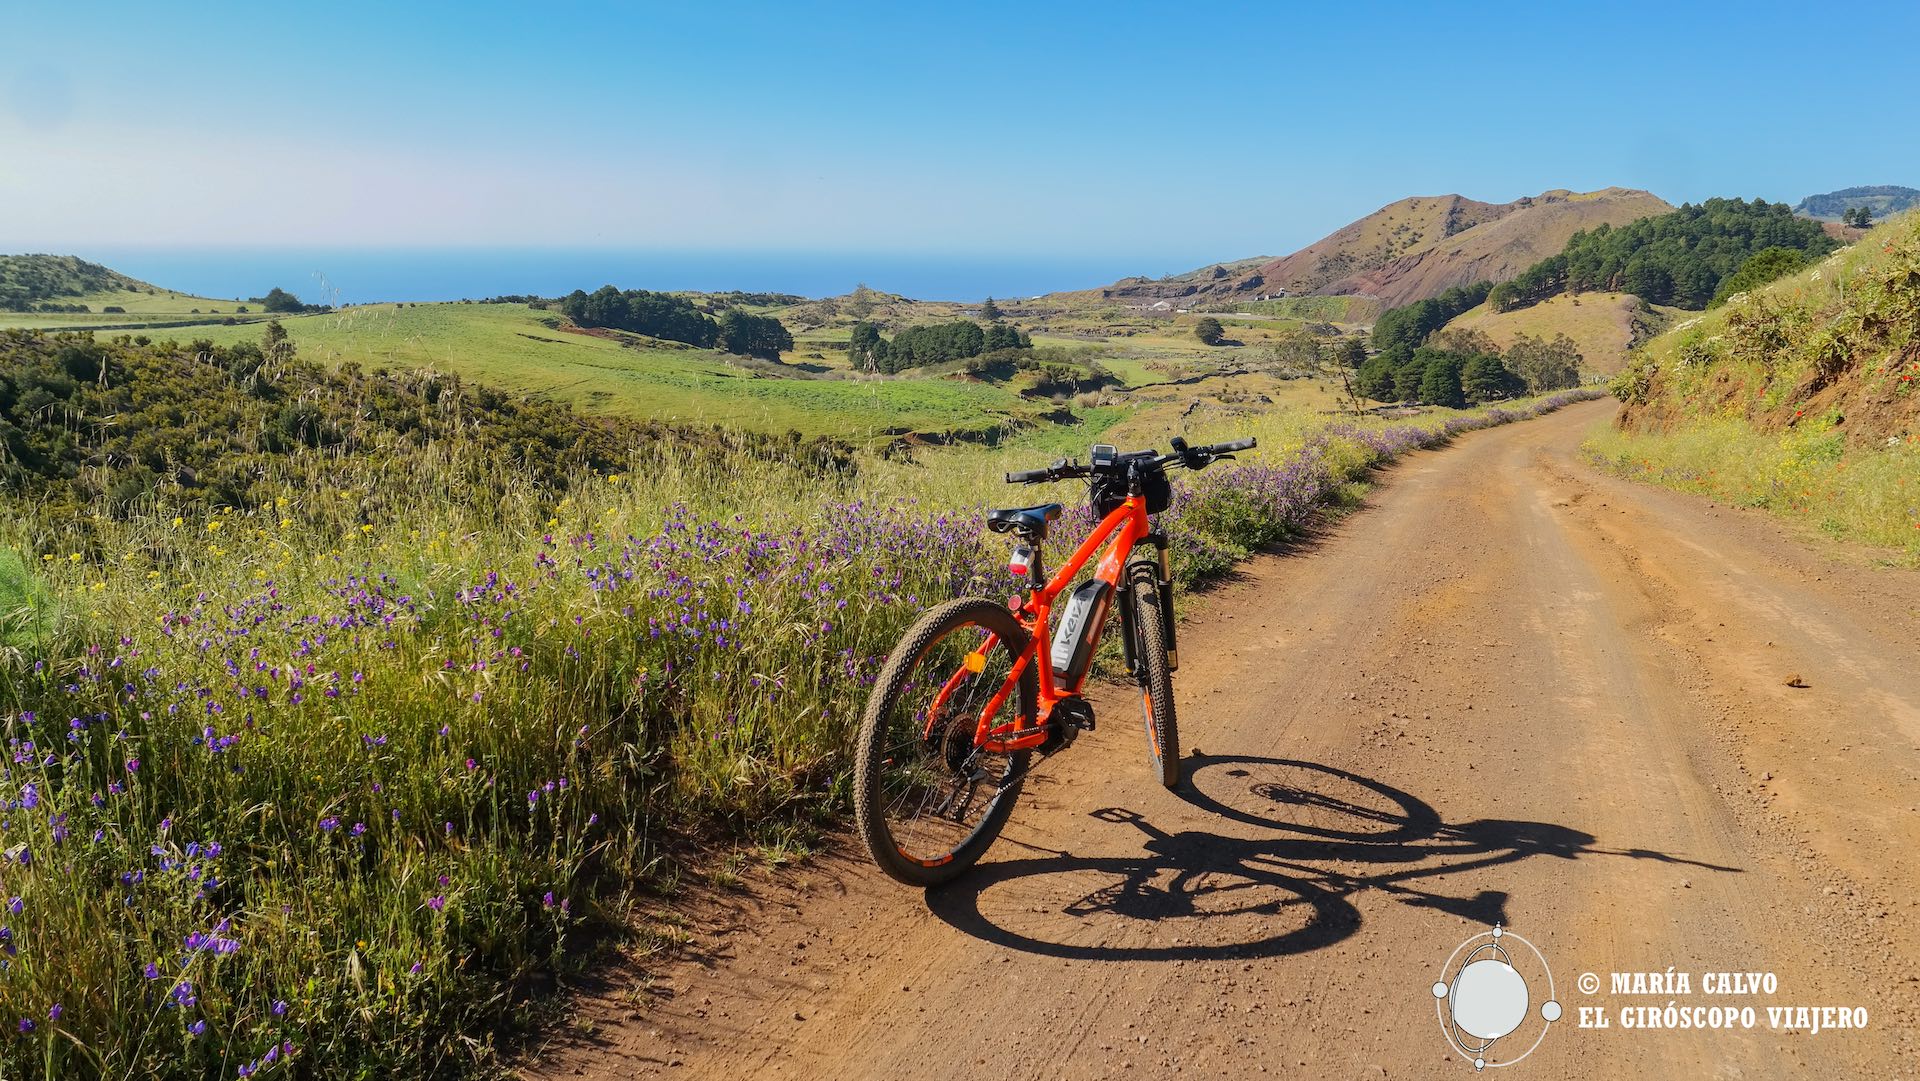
(1125, 526)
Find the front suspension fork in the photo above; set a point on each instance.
(1164, 582)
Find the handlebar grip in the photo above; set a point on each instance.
(1028, 476)
(1238, 444)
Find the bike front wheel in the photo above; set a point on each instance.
(1156, 679)
(928, 800)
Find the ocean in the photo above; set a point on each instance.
(358, 276)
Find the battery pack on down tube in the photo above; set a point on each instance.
(1079, 629)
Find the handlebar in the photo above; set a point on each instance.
(1064, 469)
(1030, 476)
(1190, 457)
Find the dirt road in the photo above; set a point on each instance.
(1508, 690)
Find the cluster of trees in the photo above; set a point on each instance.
(1057, 373)
(1209, 331)
(281, 302)
(1679, 258)
(753, 335)
(930, 344)
(1458, 367)
(89, 424)
(1763, 267)
(676, 319)
(657, 315)
(1399, 331)
(1860, 217)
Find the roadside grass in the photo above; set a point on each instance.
(1801, 397)
(307, 790)
(1807, 474)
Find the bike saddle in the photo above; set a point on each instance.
(1031, 521)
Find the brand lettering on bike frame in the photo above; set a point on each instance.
(1127, 525)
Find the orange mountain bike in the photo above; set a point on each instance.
(967, 697)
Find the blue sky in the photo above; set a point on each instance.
(1177, 137)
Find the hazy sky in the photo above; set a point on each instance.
(985, 128)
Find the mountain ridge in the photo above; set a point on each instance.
(1883, 199)
(1411, 249)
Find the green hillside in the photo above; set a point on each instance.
(33, 279)
(1678, 258)
(57, 291)
(1802, 397)
(86, 422)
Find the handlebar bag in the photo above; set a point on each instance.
(1110, 490)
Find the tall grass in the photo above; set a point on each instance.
(1807, 474)
(1799, 397)
(324, 788)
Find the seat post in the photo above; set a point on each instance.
(1038, 572)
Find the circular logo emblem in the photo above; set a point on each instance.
(1483, 997)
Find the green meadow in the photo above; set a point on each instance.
(521, 349)
(158, 306)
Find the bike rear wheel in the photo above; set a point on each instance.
(927, 800)
(1156, 678)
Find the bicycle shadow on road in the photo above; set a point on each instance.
(1297, 842)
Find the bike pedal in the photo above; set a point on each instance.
(1069, 718)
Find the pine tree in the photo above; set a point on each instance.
(1440, 383)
